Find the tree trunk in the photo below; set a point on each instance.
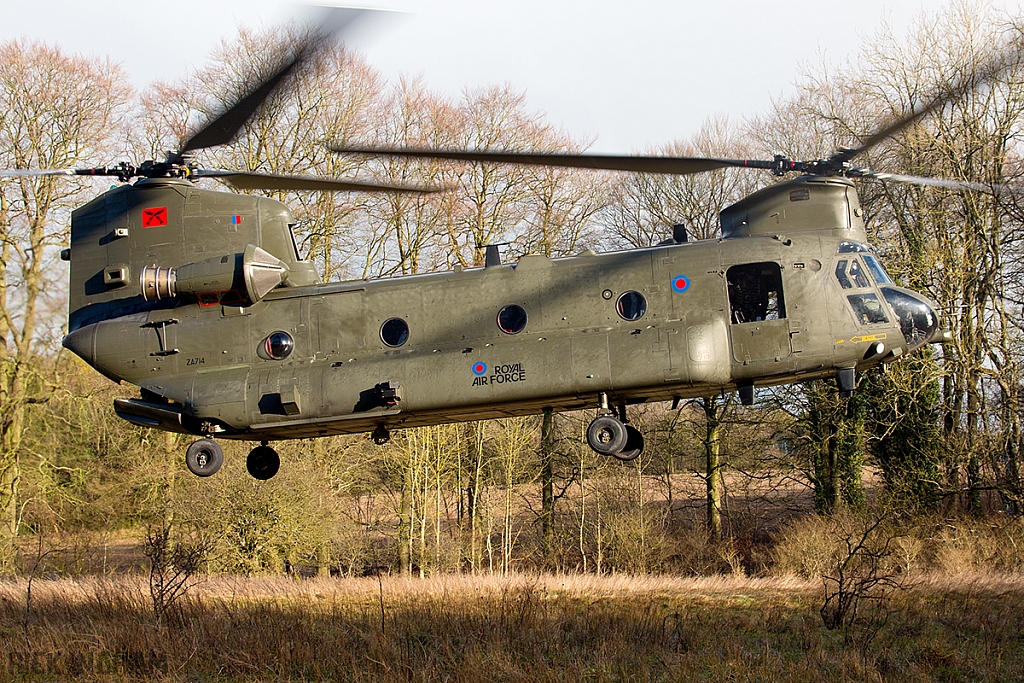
(13, 423)
(713, 467)
(973, 447)
(476, 443)
(547, 484)
(405, 526)
(323, 560)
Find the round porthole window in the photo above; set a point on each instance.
(279, 345)
(512, 319)
(631, 305)
(394, 332)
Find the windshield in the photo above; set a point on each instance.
(878, 273)
(917, 320)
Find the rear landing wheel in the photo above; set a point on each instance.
(634, 444)
(263, 462)
(607, 435)
(204, 457)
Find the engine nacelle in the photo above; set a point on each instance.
(231, 278)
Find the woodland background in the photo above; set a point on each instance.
(931, 451)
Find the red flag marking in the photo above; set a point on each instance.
(155, 217)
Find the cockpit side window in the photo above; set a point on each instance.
(857, 274)
(868, 309)
(755, 292)
(844, 280)
(851, 275)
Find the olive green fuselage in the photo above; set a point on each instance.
(204, 369)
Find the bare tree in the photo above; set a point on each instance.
(957, 247)
(337, 97)
(643, 207)
(55, 112)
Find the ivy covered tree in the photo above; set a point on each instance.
(905, 427)
(835, 438)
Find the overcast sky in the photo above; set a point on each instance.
(629, 75)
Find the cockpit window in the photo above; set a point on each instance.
(295, 245)
(918, 321)
(851, 275)
(868, 309)
(853, 247)
(755, 292)
(844, 280)
(878, 273)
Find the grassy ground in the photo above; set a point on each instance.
(547, 628)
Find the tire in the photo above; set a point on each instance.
(263, 462)
(381, 435)
(634, 445)
(204, 457)
(606, 435)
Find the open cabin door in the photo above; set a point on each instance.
(757, 313)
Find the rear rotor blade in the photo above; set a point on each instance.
(970, 80)
(272, 181)
(639, 164)
(995, 188)
(223, 128)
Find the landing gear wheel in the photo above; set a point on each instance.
(204, 457)
(634, 444)
(381, 435)
(263, 462)
(606, 435)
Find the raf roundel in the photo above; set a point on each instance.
(680, 283)
(479, 368)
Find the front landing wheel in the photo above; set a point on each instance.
(263, 462)
(204, 457)
(381, 435)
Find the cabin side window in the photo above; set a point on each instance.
(394, 332)
(512, 319)
(755, 292)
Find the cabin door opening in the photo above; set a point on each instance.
(757, 313)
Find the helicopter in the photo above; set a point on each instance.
(201, 299)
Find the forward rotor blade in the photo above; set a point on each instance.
(639, 164)
(225, 126)
(969, 81)
(996, 188)
(37, 173)
(42, 172)
(271, 181)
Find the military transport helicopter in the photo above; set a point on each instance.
(201, 299)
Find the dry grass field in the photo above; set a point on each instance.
(521, 628)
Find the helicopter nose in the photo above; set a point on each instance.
(82, 342)
(918, 320)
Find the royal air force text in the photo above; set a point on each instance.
(502, 374)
